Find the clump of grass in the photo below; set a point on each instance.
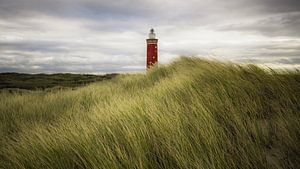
(191, 114)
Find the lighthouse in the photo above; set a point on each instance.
(151, 49)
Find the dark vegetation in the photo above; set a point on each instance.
(42, 81)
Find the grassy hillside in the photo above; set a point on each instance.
(42, 81)
(191, 114)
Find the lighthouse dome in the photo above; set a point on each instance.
(152, 34)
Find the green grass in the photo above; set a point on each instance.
(190, 114)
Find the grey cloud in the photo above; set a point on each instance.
(130, 12)
(31, 63)
(292, 61)
(266, 61)
(287, 24)
(33, 46)
(280, 6)
(91, 9)
(127, 9)
(54, 47)
(96, 40)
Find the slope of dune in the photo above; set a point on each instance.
(190, 114)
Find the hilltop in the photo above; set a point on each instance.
(192, 113)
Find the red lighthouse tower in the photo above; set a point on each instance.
(151, 49)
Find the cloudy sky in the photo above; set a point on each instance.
(102, 36)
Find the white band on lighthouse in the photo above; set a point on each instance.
(151, 41)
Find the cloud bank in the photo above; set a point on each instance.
(103, 36)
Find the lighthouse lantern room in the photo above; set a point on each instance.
(151, 49)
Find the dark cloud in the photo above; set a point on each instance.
(90, 9)
(280, 6)
(34, 46)
(147, 9)
(287, 24)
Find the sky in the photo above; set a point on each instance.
(106, 36)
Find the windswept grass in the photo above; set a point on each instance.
(191, 114)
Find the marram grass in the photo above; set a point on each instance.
(190, 114)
